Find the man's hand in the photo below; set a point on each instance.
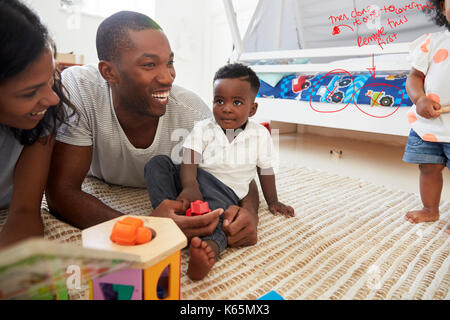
(427, 107)
(191, 226)
(240, 226)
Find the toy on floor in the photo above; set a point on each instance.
(443, 109)
(156, 244)
(267, 125)
(130, 231)
(198, 208)
(272, 295)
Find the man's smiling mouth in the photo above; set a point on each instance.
(161, 96)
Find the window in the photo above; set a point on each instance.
(105, 8)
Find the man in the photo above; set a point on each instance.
(128, 110)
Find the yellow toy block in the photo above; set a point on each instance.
(162, 252)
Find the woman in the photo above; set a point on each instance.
(30, 113)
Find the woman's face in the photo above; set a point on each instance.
(25, 98)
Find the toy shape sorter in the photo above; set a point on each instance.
(157, 244)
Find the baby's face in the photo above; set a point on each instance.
(234, 102)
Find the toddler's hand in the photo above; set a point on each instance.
(189, 195)
(427, 107)
(285, 210)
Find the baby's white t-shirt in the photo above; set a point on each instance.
(234, 163)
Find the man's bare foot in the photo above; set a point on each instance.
(424, 215)
(202, 258)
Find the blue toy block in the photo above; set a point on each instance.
(272, 295)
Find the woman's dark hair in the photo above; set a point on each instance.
(23, 39)
(437, 15)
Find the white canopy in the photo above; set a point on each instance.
(307, 24)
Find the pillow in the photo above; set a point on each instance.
(272, 78)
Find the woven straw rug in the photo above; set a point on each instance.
(349, 240)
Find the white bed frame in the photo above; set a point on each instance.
(300, 112)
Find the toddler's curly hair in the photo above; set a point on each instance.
(437, 15)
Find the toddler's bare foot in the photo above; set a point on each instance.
(202, 259)
(424, 215)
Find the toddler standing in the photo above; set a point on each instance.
(428, 86)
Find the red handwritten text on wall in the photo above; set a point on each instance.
(371, 13)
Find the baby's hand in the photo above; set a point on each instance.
(277, 206)
(427, 107)
(189, 195)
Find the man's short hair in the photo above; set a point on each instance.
(112, 34)
(238, 70)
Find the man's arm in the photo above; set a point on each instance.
(69, 167)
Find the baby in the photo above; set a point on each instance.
(428, 86)
(221, 158)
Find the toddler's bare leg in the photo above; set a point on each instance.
(431, 183)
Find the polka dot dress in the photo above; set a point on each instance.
(429, 55)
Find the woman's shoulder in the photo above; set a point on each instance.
(7, 140)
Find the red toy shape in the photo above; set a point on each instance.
(267, 125)
(198, 208)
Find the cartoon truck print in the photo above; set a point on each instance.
(333, 96)
(328, 93)
(380, 98)
(331, 92)
(301, 83)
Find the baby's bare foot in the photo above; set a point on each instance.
(424, 215)
(202, 259)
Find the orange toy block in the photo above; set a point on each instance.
(133, 221)
(130, 231)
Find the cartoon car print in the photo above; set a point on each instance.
(401, 75)
(380, 98)
(301, 83)
(330, 96)
(336, 97)
(344, 82)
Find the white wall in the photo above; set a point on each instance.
(197, 30)
(69, 34)
(184, 23)
(200, 38)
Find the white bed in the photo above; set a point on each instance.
(392, 120)
(302, 28)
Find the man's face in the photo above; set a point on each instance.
(146, 73)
